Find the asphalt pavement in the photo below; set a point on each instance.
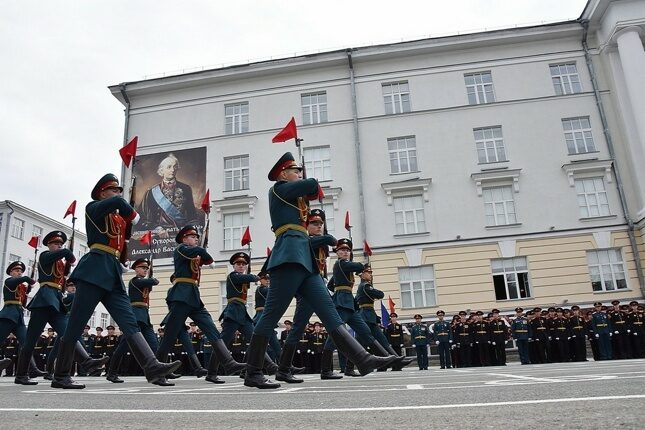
(587, 395)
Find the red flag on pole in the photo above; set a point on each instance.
(391, 304)
(347, 224)
(268, 251)
(71, 210)
(129, 151)
(321, 193)
(246, 237)
(366, 248)
(146, 238)
(206, 203)
(288, 132)
(33, 242)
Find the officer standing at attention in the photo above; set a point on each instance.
(293, 270)
(520, 332)
(394, 334)
(184, 301)
(601, 326)
(498, 333)
(14, 292)
(420, 338)
(620, 337)
(98, 279)
(443, 336)
(577, 327)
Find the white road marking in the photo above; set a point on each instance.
(528, 378)
(414, 387)
(335, 410)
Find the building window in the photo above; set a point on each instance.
(592, 197)
(105, 320)
(18, 230)
(92, 320)
(409, 216)
(318, 163)
(237, 118)
(1, 217)
(14, 257)
(565, 78)
(417, 287)
(250, 306)
(479, 87)
(396, 96)
(234, 226)
(82, 250)
(328, 208)
(511, 278)
(499, 206)
(607, 270)
(314, 108)
(236, 173)
(37, 231)
(490, 144)
(403, 154)
(577, 133)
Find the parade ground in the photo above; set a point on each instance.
(589, 395)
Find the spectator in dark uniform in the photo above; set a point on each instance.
(394, 334)
(420, 339)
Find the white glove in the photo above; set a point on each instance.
(635, 334)
(549, 337)
(557, 338)
(569, 338)
(629, 331)
(212, 265)
(611, 334)
(494, 343)
(124, 269)
(616, 332)
(450, 341)
(436, 342)
(597, 335)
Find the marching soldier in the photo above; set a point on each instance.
(499, 334)
(184, 301)
(98, 277)
(601, 325)
(443, 336)
(520, 332)
(578, 332)
(620, 337)
(463, 337)
(293, 270)
(394, 334)
(420, 339)
(14, 292)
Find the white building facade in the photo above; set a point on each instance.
(488, 170)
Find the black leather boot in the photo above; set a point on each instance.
(198, 370)
(49, 366)
(113, 372)
(22, 374)
(4, 363)
(269, 365)
(327, 365)
(34, 371)
(152, 368)
(365, 362)
(403, 361)
(213, 366)
(254, 363)
(284, 368)
(349, 369)
(381, 351)
(224, 358)
(63, 367)
(87, 364)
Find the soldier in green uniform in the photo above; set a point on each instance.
(601, 326)
(98, 277)
(443, 339)
(293, 270)
(420, 339)
(184, 300)
(394, 335)
(520, 332)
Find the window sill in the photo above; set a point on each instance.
(423, 233)
(598, 218)
(513, 300)
(411, 172)
(492, 163)
(234, 191)
(582, 154)
(622, 290)
(496, 227)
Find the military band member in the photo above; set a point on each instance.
(394, 334)
(520, 333)
(443, 340)
(462, 336)
(14, 292)
(577, 328)
(184, 300)
(601, 325)
(98, 277)
(293, 270)
(420, 339)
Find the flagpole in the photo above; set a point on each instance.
(150, 275)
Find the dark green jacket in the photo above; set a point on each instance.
(98, 267)
(50, 269)
(292, 246)
(139, 291)
(365, 297)
(344, 277)
(10, 291)
(237, 286)
(188, 261)
(420, 334)
(261, 294)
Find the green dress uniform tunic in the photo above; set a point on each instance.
(14, 293)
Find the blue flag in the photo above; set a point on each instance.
(385, 316)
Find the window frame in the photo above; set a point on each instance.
(571, 138)
(497, 142)
(403, 154)
(311, 163)
(424, 289)
(314, 113)
(402, 198)
(489, 190)
(560, 87)
(18, 224)
(399, 101)
(601, 272)
(477, 86)
(234, 242)
(504, 273)
(244, 173)
(239, 121)
(597, 196)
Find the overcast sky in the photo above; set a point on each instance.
(60, 128)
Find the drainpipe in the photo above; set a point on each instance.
(127, 123)
(6, 235)
(612, 155)
(357, 145)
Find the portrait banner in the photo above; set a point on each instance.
(169, 190)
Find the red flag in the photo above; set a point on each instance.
(129, 151)
(288, 132)
(366, 248)
(268, 251)
(391, 304)
(321, 193)
(347, 225)
(206, 203)
(146, 238)
(246, 237)
(33, 242)
(71, 210)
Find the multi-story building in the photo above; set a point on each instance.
(487, 170)
(18, 224)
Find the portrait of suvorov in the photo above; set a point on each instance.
(168, 205)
